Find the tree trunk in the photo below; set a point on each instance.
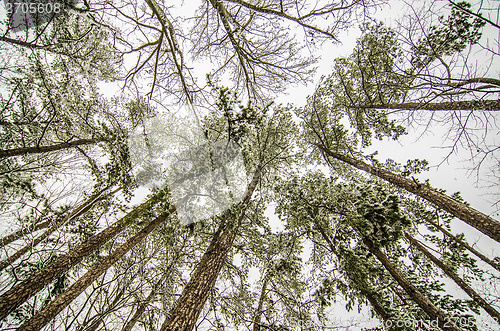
(188, 306)
(80, 210)
(44, 316)
(488, 105)
(423, 302)
(258, 314)
(45, 149)
(14, 297)
(464, 244)
(379, 309)
(21, 233)
(474, 218)
(459, 281)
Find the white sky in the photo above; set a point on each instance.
(452, 175)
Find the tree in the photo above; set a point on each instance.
(459, 240)
(267, 146)
(474, 218)
(61, 136)
(52, 107)
(20, 233)
(142, 307)
(460, 282)
(353, 273)
(64, 299)
(434, 106)
(371, 217)
(19, 293)
(44, 149)
(195, 293)
(78, 211)
(379, 83)
(419, 298)
(153, 266)
(283, 300)
(51, 104)
(75, 34)
(235, 34)
(413, 75)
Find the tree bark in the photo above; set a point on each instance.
(21, 233)
(258, 315)
(188, 306)
(474, 218)
(464, 244)
(488, 105)
(45, 149)
(14, 297)
(80, 210)
(459, 281)
(44, 316)
(422, 301)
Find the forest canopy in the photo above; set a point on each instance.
(233, 165)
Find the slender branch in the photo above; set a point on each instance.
(468, 11)
(168, 31)
(297, 20)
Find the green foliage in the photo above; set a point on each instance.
(82, 46)
(351, 212)
(458, 197)
(356, 82)
(240, 118)
(378, 216)
(266, 134)
(330, 215)
(455, 33)
(414, 167)
(373, 75)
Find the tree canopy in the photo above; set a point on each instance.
(149, 180)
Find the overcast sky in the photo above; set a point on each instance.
(452, 174)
